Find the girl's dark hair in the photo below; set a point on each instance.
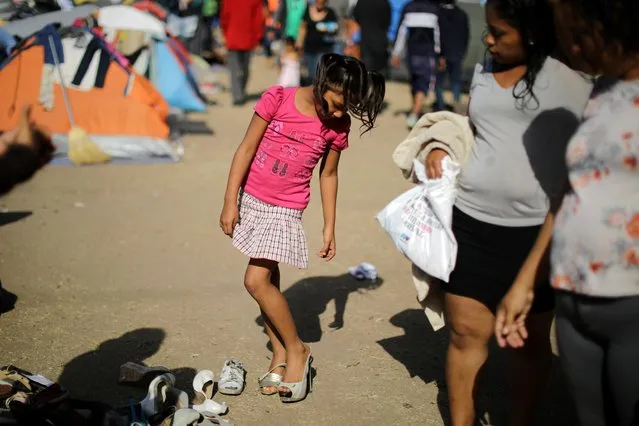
(535, 23)
(363, 90)
(289, 41)
(618, 20)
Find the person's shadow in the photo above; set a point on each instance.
(7, 300)
(423, 352)
(309, 298)
(94, 374)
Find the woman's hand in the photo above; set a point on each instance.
(510, 322)
(434, 163)
(328, 249)
(229, 218)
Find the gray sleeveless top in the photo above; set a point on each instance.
(517, 160)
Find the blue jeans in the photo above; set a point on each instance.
(454, 72)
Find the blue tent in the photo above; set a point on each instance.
(176, 84)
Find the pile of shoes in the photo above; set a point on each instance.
(33, 400)
(29, 399)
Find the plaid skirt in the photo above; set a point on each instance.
(270, 232)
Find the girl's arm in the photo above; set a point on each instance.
(510, 322)
(328, 189)
(239, 168)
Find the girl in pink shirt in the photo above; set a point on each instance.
(291, 132)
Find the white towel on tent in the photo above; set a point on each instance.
(47, 79)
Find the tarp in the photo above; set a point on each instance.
(173, 81)
(25, 27)
(129, 18)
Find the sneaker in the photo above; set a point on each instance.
(232, 377)
(411, 120)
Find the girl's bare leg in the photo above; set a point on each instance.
(277, 345)
(275, 307)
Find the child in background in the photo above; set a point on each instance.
(291, 132)
(289, 65)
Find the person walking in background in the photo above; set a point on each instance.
(317, 35)
(374, 19)
(455, 34)
(289, 65)
(397, 7)
(289, 17)
(419, 34)
(183, 19)
(243, 26)
(271, 32)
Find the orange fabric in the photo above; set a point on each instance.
(152, 8)
(273, 5)
(103, 111)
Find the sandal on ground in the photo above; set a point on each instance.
(298, 391)
(163, 397)
(190, 417)
(203, 385)
(270, 379)
(210, 408)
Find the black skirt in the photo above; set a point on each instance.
(488, 260)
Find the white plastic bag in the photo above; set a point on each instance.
(419, 221)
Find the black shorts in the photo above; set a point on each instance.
(422, 73)
(488, 260)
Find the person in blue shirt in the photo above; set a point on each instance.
(419, 35)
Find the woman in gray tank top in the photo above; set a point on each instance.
(524, 107)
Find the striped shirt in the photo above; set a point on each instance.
(419, 29)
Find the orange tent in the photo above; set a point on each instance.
(121, 111)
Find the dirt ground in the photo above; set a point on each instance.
(108, 264)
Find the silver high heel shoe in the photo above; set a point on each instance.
(299, 390)
(271, 380)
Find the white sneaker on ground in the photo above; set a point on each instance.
(411, 120)
(232, 377)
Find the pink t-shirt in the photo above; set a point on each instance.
(292, 146)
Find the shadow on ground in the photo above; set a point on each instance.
(8, 218)
(309, 298)
(196, 127)
(7, 300)
(94, 374)
(423, 352)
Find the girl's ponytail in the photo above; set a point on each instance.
(363, 90)
(372, 104)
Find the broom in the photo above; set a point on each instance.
(82, 150)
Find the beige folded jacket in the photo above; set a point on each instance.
(452, 133)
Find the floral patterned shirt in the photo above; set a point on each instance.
(596, 238)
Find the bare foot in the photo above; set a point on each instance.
(277, 359)
(295, 363)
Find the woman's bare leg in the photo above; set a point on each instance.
(471, 328)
